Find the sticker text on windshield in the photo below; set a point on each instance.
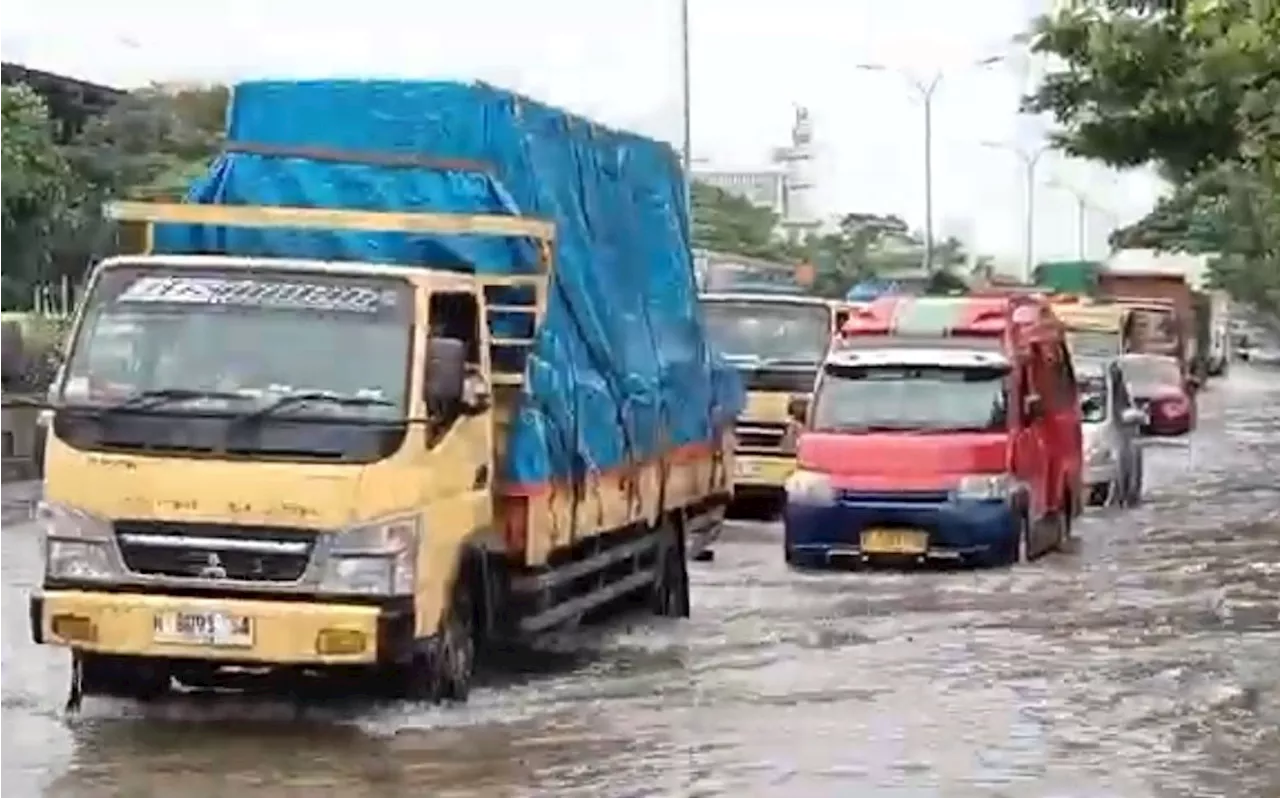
(278, 294)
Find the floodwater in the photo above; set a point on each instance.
(1144, 662)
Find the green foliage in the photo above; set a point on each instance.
(863, 245)
(1193, 87)
(39, 190)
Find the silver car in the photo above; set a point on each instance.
(1110, 429)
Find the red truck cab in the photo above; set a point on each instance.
(941, 428)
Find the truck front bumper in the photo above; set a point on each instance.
(279, 632)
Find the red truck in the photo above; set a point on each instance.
(1163, 320)
(1163, 311)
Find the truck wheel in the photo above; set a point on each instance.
(453, 658)
(671, 577)
(130, 678)
(442, 670)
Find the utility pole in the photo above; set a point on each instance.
(1082, 215)
(926, 90)
(1029, 158)
(686, 101)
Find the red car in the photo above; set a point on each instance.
(1162, 391)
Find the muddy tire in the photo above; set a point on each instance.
(130, 678)
(441, 670)
(671, 575)
(453, 657)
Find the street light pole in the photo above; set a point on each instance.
(686, 101)
(1029, 158)
(926, 91)
(1082, 211)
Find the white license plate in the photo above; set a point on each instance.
(746, 468)
(203, 629)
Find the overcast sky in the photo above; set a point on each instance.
(619, 61)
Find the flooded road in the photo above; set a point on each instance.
(1144, 662)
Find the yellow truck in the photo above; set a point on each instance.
(278, 472)
(777, 341)
(1096, 330)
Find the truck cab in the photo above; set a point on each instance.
(1095, 329)
(941, 429)
(776, 342)
(267, 471)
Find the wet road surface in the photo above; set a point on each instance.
(1144, 662)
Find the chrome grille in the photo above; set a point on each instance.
(215, 551)
(760, 437)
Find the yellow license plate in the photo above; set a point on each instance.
(894, 541)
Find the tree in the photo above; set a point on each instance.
(1138, 86)
(1191, 87)
(39, 189)
(725, 222)
(151, 144)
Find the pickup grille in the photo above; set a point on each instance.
(215, 551)
(759, 437)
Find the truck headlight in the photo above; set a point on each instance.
(77, 544)
(810, 487)
(379, 558)
(986, 487)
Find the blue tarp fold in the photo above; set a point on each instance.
(621, 368)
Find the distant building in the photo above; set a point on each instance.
(71, 102)
(786, 188)
(763, 187)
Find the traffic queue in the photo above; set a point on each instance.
(968, 429)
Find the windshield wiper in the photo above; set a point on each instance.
(149, 399)
(284, 402)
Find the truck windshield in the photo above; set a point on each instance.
(1154, 330)
(228, 334)
(1093, 343)
(914, 398)
(787, 332)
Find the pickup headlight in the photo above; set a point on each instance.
(77, 544)
(986, 487)
(810, 487)
(373, 559)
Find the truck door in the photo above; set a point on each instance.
(1063, 417)
(461, 439)
(1029, 460)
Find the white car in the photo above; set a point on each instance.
(1110, 429)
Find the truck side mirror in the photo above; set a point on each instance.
(446, 372)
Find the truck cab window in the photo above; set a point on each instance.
(456, 314)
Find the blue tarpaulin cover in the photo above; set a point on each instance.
(621, 368)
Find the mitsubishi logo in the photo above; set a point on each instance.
(212, 568)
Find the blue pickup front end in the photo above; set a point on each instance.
(918, 526)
